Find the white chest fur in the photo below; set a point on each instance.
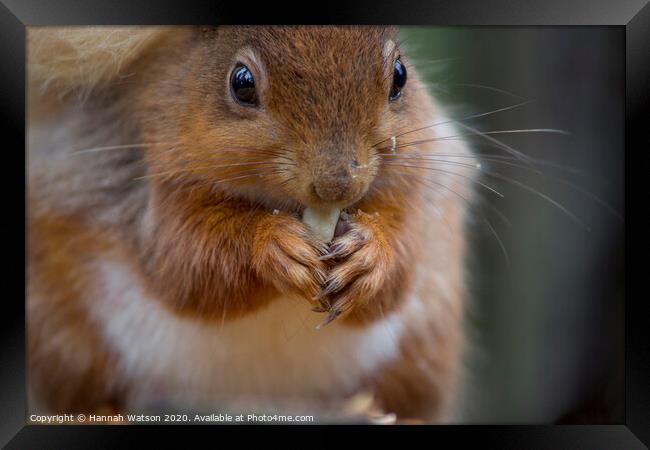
(274, 353)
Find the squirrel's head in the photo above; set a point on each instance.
(298, 115)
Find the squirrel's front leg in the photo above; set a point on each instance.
(287, 255)
(368, 268)
(227, 258)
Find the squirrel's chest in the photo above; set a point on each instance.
(274, 353)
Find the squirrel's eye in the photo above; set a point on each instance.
(399, 79)
(242, 85)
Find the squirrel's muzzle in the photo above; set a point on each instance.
(334, 183)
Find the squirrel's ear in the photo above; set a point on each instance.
(79, 59)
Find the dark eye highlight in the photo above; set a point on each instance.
(242, 86)
(399, 79)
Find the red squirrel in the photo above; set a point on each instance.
(168, 261)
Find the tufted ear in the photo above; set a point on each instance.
(76, 60)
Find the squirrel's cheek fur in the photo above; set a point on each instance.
(168, 254)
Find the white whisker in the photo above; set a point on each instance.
(473, 116)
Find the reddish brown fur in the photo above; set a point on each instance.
(209, 244)
(76, 381)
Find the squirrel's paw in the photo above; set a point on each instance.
(286, 254)
(361, 260)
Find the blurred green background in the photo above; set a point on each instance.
(547, 327)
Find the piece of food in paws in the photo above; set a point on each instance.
(322, 221)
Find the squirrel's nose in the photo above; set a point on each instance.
(334, 184)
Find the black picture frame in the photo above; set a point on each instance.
(15, 15)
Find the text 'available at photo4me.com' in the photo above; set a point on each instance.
(169, 418)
